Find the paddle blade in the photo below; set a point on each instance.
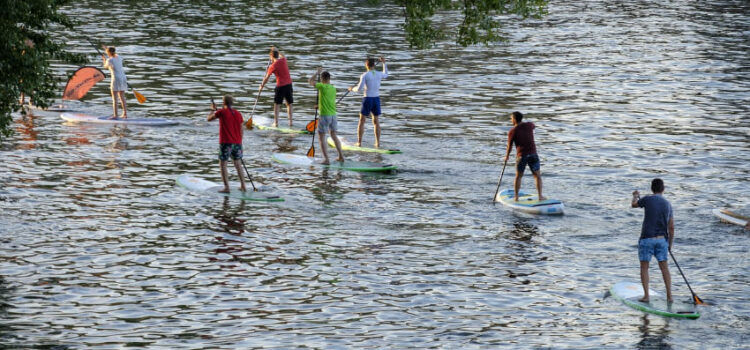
(311, 126)
(311, 152)
(698, 301)
(249, 123)
(139, 97)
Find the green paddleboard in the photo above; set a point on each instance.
(630, 292)
(346, 146)
(265, 124)
(287, 158)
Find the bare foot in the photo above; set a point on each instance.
(225, 190)
(112, 117)
(275, 125)
(358, 144)
(243, 189)
(516, 199)
(340, 159)
(326, 162)
(542, 198)
(123, 116)
(377, 145)
(643, 300)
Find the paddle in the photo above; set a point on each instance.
(696, 299)
(311, 151)
(249, 123)
(213, 104)
(138, 95)
(494, 199)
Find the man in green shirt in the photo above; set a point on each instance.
(327, 105)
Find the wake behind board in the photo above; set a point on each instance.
(265, 124)
(730, 217)
(346, 146)
(199, 185)
(350, 165)
(529, 203)
(59, 107)
(86, 118)
(630, 292)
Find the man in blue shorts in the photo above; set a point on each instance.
(522, 135)
(370, 82)
(657, 234)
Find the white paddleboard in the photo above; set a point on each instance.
(87, 118)
(630, 292)
(288, 158)
(730, 217)
(529, 203)
(200, 185)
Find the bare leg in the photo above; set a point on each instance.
(289, 113)
(538, 180)
(667, 278)
(114, 104)
(275, 115)
(337, 142)
(323, 147)
(376, 124)
(360, 129)
(223, 167)
(517, 185)
(22, 100)
(644, 280)
(124, 105)
(239, 173)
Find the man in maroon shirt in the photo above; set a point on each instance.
(522, 134)
(230, 139)
(283, 90)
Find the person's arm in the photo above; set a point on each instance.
(212, 115)
(312, 79)
(670, 230)
(360, 84)
(636, 198)
(385, 69)
(510, 144)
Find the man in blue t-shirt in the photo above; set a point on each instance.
(657, 234)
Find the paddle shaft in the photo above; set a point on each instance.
(494, 199)
(311, 151)
(696, 299)
(252, 114)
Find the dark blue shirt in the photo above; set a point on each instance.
(656, 217)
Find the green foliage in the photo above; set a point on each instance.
(479, 24)
(26, 51)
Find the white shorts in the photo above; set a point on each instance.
(326, 123)
(119, 83)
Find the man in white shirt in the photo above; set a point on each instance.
(370, 82)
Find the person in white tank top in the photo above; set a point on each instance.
(119, 83)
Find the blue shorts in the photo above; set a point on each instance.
(531, 159)
(370, 105)
(326, 123)
(227, 149)
(648, 247)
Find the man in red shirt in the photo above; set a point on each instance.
(230, 139)
(283, 90)
(522, 134)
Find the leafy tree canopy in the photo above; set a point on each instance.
(478, 19)
(27, 48)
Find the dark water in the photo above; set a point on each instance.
(101, 249)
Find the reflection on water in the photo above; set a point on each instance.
(654, 337)
(103, 251)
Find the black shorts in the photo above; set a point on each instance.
(282, 93)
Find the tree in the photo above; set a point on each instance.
(479, 23)
(26, 51)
